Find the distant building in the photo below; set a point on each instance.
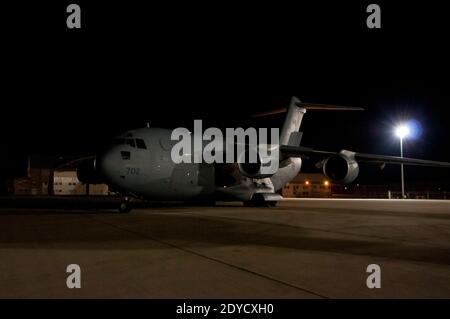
(318, 186)
(36, 183)
(65, 181)
(307, 185)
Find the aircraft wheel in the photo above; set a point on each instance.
(258, 201)
(272, 203)
(125, 207)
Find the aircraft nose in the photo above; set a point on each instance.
(110, 164)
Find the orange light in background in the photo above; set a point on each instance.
(307, 183)
(326, 183)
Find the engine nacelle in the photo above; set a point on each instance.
(266, 164)
(341, 168)
(88, 174)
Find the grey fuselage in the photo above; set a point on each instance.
(139, 163)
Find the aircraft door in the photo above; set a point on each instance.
(184, 180)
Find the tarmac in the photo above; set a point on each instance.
(303, 248)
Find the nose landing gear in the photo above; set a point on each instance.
(125, 206)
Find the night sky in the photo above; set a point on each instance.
(68, 92)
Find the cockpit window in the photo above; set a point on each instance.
(125, 155)
(141, 144)
(131, 142)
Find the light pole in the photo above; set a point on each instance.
(401, 168)
(402, 132)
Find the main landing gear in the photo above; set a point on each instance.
(258, 200)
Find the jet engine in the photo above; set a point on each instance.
(266, 164)
(341, 168)
(87, 172)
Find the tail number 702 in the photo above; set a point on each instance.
(133, 170)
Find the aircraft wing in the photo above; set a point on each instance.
(305, 152)
(374, 158)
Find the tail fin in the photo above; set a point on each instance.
(290, 134)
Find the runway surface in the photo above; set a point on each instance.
(301, 249)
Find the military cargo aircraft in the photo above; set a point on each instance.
(138, 164)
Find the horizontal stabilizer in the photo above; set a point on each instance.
(310, 106)
(328, 107)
